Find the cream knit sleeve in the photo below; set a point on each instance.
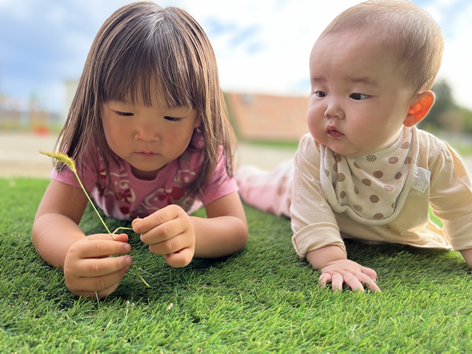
(451, 197)
(313, 222)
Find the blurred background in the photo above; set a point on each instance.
(262, 48)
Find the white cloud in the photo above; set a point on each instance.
(456, 67)
(287, 31)
(261, 46)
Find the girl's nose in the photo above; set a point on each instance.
(146, 134)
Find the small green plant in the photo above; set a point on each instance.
(71, 164)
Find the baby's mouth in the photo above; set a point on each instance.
(334, 133)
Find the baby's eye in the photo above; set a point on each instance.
(320, 94)
(172, 119)
(358, 96)
(124, 114)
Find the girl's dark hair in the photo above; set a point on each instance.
(139, 45)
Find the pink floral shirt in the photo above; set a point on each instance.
(132, 197)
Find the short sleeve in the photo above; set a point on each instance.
(220, 183)
(66, 176)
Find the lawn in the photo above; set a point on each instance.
(263, 299)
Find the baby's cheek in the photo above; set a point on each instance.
(314, 125)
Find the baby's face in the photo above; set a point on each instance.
(357, 103)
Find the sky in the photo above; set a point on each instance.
(261, 46)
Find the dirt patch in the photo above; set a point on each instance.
(20, 157)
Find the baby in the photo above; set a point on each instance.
(365, 171)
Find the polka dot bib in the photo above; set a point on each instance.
(372, 188)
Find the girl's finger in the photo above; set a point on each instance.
(89, 268)
(157, 218)
(179, 259)
(107, 237)
(98, 284)
(164, 232)
(99, 248)
(173, 245)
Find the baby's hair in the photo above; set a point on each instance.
(140, 45)
(403, 28)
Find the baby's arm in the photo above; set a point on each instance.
(179, 237)
(336, 268)
(61, 243)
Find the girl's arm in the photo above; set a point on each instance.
(224, 232)
(55, 226)
(61, 243)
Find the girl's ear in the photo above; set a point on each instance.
(419, 109)
(198, 122)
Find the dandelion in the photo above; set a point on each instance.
(71, 164)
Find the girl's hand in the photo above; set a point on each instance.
(89, 269)
(168, 231)
(351, 273)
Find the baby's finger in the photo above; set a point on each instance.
(157, 218)
(324, 278)
(337, 282)
(369, 272)
(89, 268)
(180, 259)
(164, 232)
(353, 282)
(366, 279)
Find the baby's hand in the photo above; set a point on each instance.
(168, 231)
(349, 272)
(88, 267)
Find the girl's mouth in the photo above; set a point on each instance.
(146, 155)
(333, 133)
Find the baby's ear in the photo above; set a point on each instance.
(420, 108)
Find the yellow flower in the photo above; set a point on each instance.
(63, 158)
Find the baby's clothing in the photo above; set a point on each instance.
(371, 189)
(132, 197)
(431, 174)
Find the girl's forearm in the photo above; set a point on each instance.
(219, 236)
(53, 234)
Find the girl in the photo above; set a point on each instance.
(148, 131)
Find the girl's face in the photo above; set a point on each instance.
(358, 104)
(148, 138)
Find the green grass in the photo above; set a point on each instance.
(284, 145)
(263, 299)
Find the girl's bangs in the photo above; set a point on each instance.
(163, 59)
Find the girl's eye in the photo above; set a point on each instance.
(124, 114)
(320, 94)
(172, 119)
(358, 96)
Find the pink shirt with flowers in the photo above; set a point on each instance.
(132, 197)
